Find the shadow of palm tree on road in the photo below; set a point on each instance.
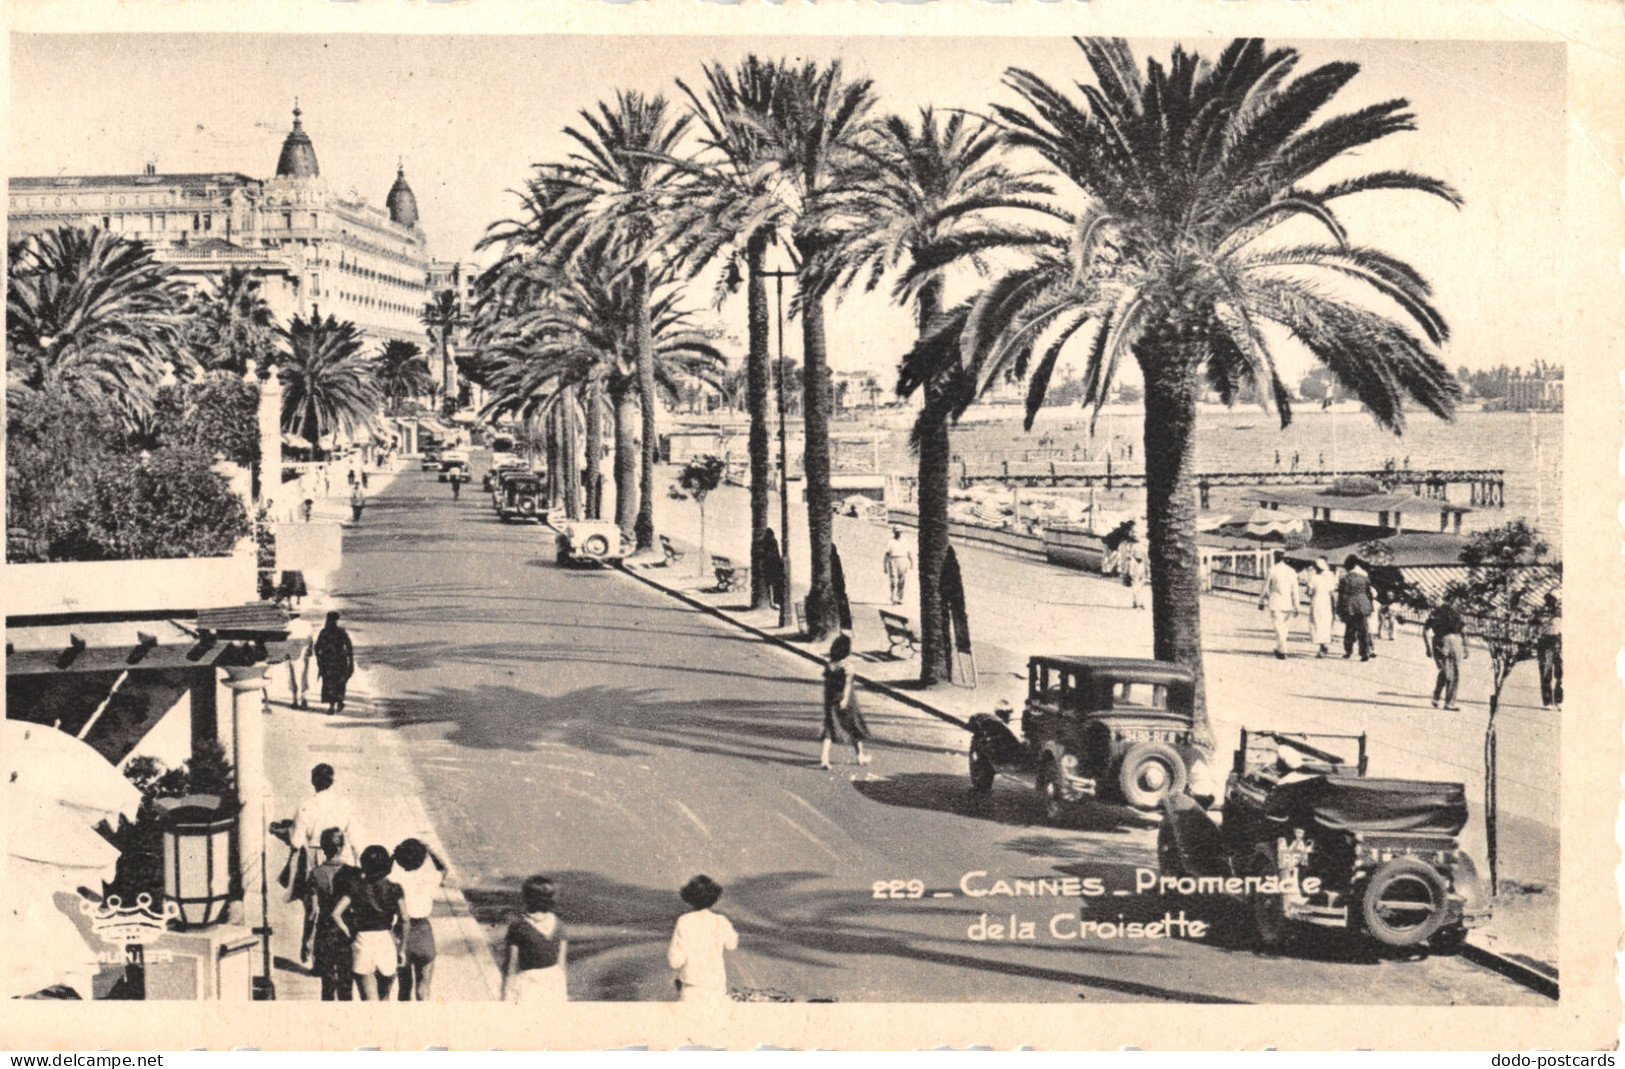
(943, 793)
(625, 721)
(845, 941)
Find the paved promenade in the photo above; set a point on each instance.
(1019, 607)
(372, 770)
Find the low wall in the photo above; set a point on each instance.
(129, 586)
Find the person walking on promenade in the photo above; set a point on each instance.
(1280, 598)
(299, 659)
(1322, 593)
(773, 567)
(1354, 607)
(1385, 614)
(418, 882)
(1136, 573)
(332, 958)
(335, 663)
(1442, 635)
(899, 561)
(698, 942)
(1549, 650)
(368, 912)
(326, 809)
(536, 948)
(842, 717)
(358, 501)
(456, 487)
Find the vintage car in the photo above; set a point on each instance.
(496, 471)
(454, 467)
(518, 496)
(1114, 728)
(1346, 850)
(589, 542)
(429, 460)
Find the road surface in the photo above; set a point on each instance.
(576, 723)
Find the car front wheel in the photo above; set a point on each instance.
(1270, 925)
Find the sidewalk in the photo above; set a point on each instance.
(371, 769)
(1019, 607)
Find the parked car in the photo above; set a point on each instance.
(1347, 850)
(518, 496)
(495, 472)
(1114, 728)
(590, 541)
(429, 460)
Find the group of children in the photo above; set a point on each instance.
(368, 918)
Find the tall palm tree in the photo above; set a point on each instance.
(809, 121)
(402, 372)
(911, 191)
(92, 314)
(328, 383)
(580, 332)
(1183, 177)
(610, 192)
(231, 323)
(738, 199)
(443, 316)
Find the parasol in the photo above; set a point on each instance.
(55, 790)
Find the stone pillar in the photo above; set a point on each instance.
(242, 688)
(270, 427)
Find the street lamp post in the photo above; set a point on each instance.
(786, 611)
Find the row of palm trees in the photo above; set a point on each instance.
(96, 317)
(1167, 215)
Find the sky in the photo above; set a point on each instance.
(469, 115)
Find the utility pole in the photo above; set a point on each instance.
(786, 610)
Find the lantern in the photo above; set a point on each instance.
(197, 857)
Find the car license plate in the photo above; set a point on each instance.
(1145, 735)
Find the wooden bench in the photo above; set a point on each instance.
(673, 554)
(899, 633)
(730, 576)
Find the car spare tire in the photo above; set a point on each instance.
(595, 546)
(1150, 772)
(1404, 903)
(527, 506)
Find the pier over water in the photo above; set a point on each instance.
(1486, 487)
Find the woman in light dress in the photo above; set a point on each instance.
(534, 954)
(1322, 589)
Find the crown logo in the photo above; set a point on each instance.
(123, 925)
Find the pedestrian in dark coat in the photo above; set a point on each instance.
(772, 567)
(335, 662)
(1354, 608)
(842, 717)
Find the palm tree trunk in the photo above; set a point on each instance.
(554, 490)
(816, 398)
(756, 386)
(936, 664)
(572, 472)
(595, 438)
(643, 340)
(1170, 507)
(935, 657)
(626, 461)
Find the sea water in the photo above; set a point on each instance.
(1242, 439)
